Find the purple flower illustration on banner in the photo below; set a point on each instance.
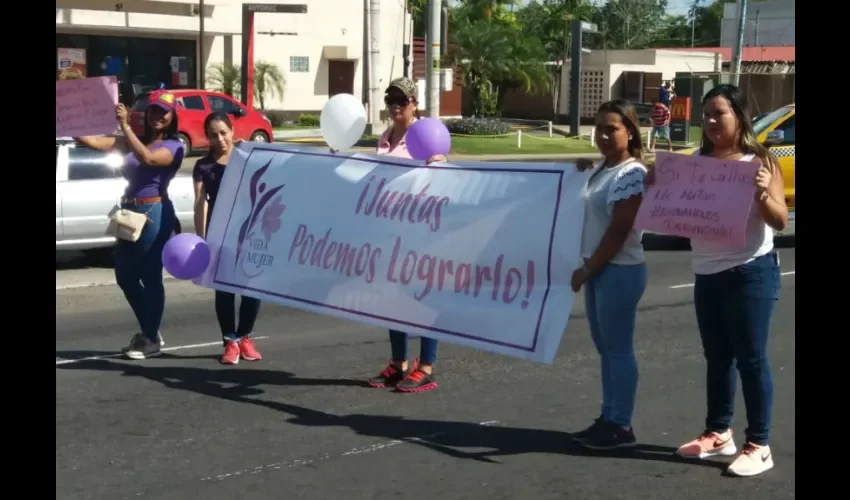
(256, 188)
(270, 222)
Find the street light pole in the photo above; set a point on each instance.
(201, 65)
(579, 28)
(739, 43)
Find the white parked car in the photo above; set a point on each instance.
(89, 184)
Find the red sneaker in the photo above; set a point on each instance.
(249, 350)
(231, 353)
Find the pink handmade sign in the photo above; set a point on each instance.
(86, 106)
(699, 198)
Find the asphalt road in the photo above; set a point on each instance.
(299, 424)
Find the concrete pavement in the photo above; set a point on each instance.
(299, 425)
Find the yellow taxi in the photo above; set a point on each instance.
(776, 130)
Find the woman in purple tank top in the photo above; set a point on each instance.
(150, 163)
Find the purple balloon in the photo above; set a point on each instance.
(186, 256)
(428, 137)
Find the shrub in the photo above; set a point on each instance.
(308, 120)
(276, 116)
(477, 126)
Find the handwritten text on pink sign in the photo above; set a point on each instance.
(699, 197)
(86, 107)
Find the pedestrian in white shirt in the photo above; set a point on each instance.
(614, 270)
(735, 294)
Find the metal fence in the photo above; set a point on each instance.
(766, 91)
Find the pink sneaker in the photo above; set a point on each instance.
(709, 444)
(249, 350)
(231, 353)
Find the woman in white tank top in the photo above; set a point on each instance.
(735, 294)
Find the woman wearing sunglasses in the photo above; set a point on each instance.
(401, 100)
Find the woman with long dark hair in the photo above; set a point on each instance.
(149, 165)
(207, 178)
(735, 294)
(614, 269)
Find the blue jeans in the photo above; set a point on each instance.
(138, 266)
(734, 310)
(398, 345)
(611, 298)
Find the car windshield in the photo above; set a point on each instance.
(768, 119)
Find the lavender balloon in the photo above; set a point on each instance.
(428, 137)
(186, 256)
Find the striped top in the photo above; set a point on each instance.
(660, 115)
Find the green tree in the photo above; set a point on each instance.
(549, 21)
(495, 57)
(225, 78)
(269, 82)
(630, 24)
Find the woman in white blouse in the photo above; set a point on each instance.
(614, 270)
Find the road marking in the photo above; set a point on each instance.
(689, 285)
(164, 349)
(71, 286)
(356, 451)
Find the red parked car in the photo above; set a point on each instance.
(193, 106)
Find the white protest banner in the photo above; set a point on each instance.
(478, 254)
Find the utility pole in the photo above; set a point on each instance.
(756, 34)
(374, 63)
(201, 64)
(432, 59)
(579, 27)
(405, 44)
(693, 24)
(739, 43)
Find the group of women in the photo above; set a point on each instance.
(735, 291)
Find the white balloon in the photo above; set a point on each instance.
(343, 121)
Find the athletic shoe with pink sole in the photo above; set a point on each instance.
(709, 444)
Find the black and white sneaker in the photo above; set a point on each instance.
(609, 436)
(141, 348)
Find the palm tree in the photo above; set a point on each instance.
(269, 82)
(225, 78)
(496, 57)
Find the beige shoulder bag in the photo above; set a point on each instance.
(125, 224)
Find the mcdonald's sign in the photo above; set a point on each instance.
(680, 119)
(680, 108)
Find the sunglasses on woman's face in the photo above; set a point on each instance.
(396, 100)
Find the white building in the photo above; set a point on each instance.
(766, 24)
(144, 42)
(634, 75)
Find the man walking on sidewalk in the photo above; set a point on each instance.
(660, 125)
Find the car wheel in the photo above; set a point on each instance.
(259, 136)
(187, 145)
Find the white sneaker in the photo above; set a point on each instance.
(141, 348)
(752, 461)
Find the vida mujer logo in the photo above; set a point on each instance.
(263, 221)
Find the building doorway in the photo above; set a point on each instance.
(340, 77)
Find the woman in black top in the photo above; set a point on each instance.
(207, 176)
